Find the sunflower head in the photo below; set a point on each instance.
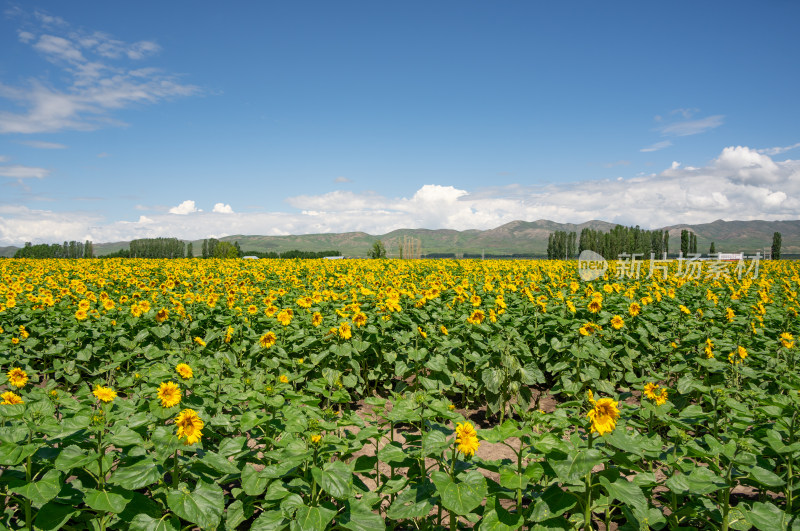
(184, 371)
(104, 394)
(604, 416)
(169, 393)
(17, 377)
(10, 398)
(190, 426)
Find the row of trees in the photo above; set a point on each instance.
(689, 242)
(630, 240)
(72, 249)
(561, 244)
(294, 253)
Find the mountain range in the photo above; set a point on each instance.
(517, 237)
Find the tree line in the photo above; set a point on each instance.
(628, 240)
(71, 249)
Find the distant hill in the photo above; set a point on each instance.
(516, 237)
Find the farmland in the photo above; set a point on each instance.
(267, 394)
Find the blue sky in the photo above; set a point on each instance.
(200, 119)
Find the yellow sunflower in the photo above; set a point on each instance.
(604, 416)
(10, 398)
(169, 393)
(184, 371)
(104, 394)
(189, 426)
(17, 377)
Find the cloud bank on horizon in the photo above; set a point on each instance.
(741, 184)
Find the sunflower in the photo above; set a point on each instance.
(787, 340)
(443, 329)
(360, 319)
(199, 341)
(229, 334)
(344, 331)
(104, 394)
(169, 393)
(162, 315)
(617, 322)
(595, 306)
(81, 314)
(267, 340)
(10, 399)
(649, 390)
(17, 377)
(477, 317)
(284, 378)
(466, 439)
(634, 309)
(189, 426)
(604, 416)
(285, 316)
(316, 319)
(184, 371)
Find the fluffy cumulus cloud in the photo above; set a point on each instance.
(23, 172)
(187, 207)
(96, 74)
(222, 208)
(740, 183)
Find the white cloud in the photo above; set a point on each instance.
(221, 208)
(38, 144)
(778, 150)
(739, 184)
(692, 127)
(23, 172)
(342, 180)
(98, 81)
(655, 147)
(187, 207)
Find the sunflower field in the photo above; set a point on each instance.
(401, 394)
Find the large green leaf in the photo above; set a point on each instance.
(143, 522)
(497, 518)
(576, 466)
(203, 506)
(314, 518)
(766, 517)
(53, 516)
(413, 502)
(359, 516)
(552, 503)
(272, 520)
(336, 479)
(629, 494)
(253, 482)
(42, 491)
(137, 475)
(108, 501)
(462, 495)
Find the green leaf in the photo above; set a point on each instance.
(253, 482)
(143, 522)
(314, 518)
(236, 513)
(552, 503)
(203, 506)
(576, 466)
(138, 475)
(496, 518)
(73, 457)
(336, 479)
(765, 477)
(105, 501)
(270, 521)
(53, 516)
(393, 454)
(14, 454)
(413, 502)
(766, 517)
(629, 494)
(124, 436)
(511, 479)
(42, 491)
(218, 463)
(359, 516)
(462, 495)
(492, 378)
